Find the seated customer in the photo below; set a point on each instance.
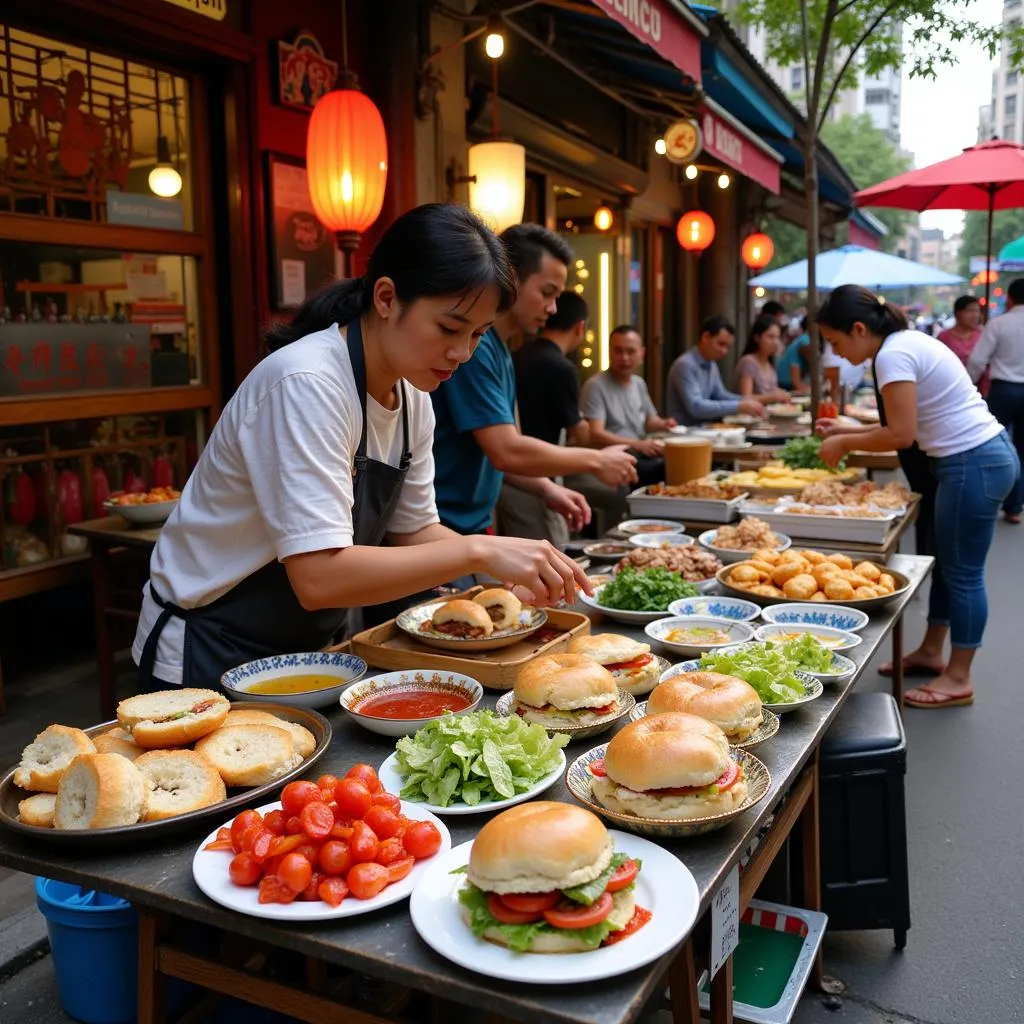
(755, 371)
(793, 367)
(696, 393)
(618, 406)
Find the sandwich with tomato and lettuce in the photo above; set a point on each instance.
(631, 664)
(566, 691)
(671, 766)
(544, 877)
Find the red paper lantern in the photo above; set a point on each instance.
(346, 163)
(695, 231)
(757, 251)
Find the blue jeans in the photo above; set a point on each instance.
(972, 486)
(1006, 403)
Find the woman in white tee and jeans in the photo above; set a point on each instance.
(323, 455)
(929, 397)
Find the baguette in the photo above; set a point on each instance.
(250, 755)
(172, 718)
(46, 758)
(180, 781)
(100, 791)
(38, 810)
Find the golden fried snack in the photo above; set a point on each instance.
(765, 555)
(837, 589)
(868, 570)
(765, 568)
(818, 595)
(787, 570)
(843, 561)
(814, 557)
(824, 572)
(864, 593)
(746, 573)
(766, 590)
(856, 579)
(800, 587)
(886, 583)
(789, 555)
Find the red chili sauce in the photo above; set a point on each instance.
(640, 917)
(413, 704)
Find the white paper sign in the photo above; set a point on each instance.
(725, 920)
(293, 282)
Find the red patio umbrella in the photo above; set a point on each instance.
(989, 176)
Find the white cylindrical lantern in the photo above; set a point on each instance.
(498, 193)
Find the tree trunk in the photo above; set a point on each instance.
(811, 196)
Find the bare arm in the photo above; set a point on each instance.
(579, 435)
(601, 436)
(571, 505)
(901, 412)
(425, 536)
(746, 385)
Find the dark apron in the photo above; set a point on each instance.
(260, 616)
(917, 469)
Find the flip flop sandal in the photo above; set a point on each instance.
(913, 672)
(943, 701)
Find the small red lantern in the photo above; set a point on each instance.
(757, 251)
(346, 163)
(695, 231)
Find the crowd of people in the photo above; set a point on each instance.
(392, 442)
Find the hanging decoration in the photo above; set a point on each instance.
(695, 231)
(304, 74)
(346, 157)
(757, 250)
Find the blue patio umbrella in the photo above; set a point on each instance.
(854, 264)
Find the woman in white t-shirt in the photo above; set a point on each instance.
(929, 398)
(323, 453)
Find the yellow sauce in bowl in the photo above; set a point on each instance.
(293, 684)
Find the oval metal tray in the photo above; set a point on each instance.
(11, 795)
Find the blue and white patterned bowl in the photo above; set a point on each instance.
(813, 687)
(835, 616)
(833, 639)
(390, 684)
(343, 668)
(733, 608)
(729, 555)
(734, 632)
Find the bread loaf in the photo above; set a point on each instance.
(250, 755)
(100, 791)
(180, 781)
(47, 757)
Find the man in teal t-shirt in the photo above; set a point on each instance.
(477, 442)
(794, 357)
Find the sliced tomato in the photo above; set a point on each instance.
(725, 781)
(506, 915)
(285, 844)
(220, 844)
(332, 891)
(530, 902)
(644, 659)
(398, 869)
(622, 876)
(606, 710)
(579, 916)
(728, 778)
(597, 768)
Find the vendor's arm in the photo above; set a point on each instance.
(427, 535)
(569, 504)
(900, 400)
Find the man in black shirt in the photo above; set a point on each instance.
(548, 397)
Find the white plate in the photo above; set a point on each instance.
(631, 526)
(729, 555)
(813, 687)
(661, 540)
(837, 639)
(210, 870)
(619, 614)
(151, 512)
(393, 782)
(737, 633)
(664, 886)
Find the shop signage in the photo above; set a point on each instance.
(214, 9)
(661, 27)
(304, 74)
(49, 358)
(682, 141)
(142, 211)
(725, 143)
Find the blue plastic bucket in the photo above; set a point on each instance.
(94, 939)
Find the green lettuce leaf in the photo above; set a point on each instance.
(768, 670)
(808, 653)
(645, 590)
(589, 892)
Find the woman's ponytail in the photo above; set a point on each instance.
(850, 304)
(338, 303)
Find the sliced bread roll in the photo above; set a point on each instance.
(250, 755)
(118, 741)
(249, 716)
(100, 791)
(304, 740)
(180, 781)
(172, 718)
(38, 810)
(47, 757)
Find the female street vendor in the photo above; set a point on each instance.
(323, 453)
(928, 397)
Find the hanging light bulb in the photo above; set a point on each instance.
(724, 181)
(660, 147)
(691, 172)
(164, 179)
(603, 218)
(494, 37)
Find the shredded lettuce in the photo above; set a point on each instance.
(475, 758)
(807, 653)
(520, 936)
(768, 670)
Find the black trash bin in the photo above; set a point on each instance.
(865, 878)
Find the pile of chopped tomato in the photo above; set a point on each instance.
(331, 838)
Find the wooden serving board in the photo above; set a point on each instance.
(386, 646)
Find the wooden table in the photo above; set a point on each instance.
(158, 880)
(871, 461)
(107, 536)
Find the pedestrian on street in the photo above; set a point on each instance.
(929, 398)
(965, 333)
(1000, 352)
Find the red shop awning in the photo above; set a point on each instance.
(732, 143)
(664, 27)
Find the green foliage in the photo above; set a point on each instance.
(1006, 226)
(869, 157)
(790, 242)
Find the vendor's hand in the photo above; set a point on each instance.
(830, 428)
(752, 407)
(617, 466)
(536, 571)
(648, 449)
(778, 395)
(833, 449)
(571, 505)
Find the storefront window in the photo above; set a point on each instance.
(75, 319)
(87, 135)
